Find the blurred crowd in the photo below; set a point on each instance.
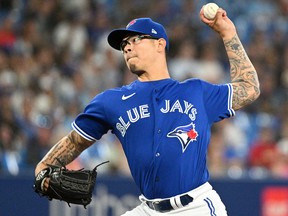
(54, 58)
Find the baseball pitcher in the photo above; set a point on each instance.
(163, 124)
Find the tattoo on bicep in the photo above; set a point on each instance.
(245, 89)
(239, 95)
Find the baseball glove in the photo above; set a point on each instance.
(71, 186)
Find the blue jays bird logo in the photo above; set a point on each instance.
(185, 135)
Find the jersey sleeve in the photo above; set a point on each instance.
(218, 101)
(92, 123)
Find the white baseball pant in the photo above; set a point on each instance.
(206, 202)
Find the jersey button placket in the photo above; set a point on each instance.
(158, 133)
(157, 97)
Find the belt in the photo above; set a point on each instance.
(176, 202)
(169, 204)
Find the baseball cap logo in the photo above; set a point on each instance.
(153, 31)
(131, 23)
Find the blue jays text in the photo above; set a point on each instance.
(142, 111)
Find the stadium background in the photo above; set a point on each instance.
(54, 58)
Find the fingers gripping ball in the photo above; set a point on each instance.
(71, 186)
(210, 10)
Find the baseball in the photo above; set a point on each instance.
(210, 10)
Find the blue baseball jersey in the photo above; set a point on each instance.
(164, 128)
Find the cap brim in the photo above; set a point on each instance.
(115, 37)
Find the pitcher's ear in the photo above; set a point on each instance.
(162, 43)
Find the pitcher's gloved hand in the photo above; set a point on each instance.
(71, 186)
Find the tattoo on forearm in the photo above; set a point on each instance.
(243, 74)
(66, 150)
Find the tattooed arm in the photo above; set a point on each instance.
(243, 74)
(66, 150)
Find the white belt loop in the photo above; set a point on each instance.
(178, 202)
(173, 203)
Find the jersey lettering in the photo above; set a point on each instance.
(122, 129)
(138, 113)
(177, 106)
(142, 111)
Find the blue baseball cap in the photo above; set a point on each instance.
(138, 26)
